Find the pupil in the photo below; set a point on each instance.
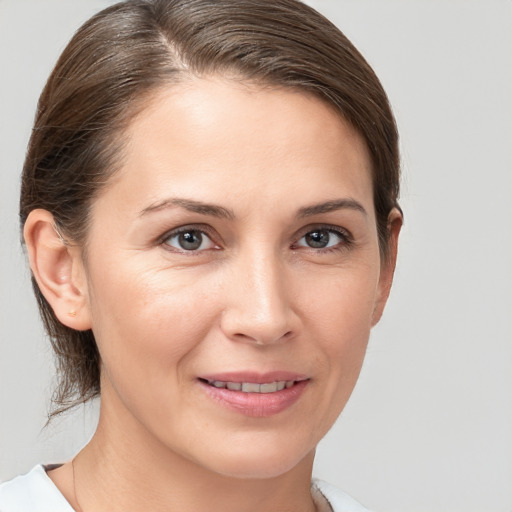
(317, 239)
(190, 240)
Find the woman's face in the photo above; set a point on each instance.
(235, 254)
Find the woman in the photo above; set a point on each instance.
(209, 205)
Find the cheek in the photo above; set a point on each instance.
(344, 304)
(343, 316)
(148, 330)
(146, 324)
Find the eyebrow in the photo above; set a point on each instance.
(225, 213)
(331, 206)
(192, 206)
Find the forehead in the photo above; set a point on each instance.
(204, 134)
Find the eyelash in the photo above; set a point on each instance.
(346, 239)
(202, 229)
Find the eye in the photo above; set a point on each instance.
(323, 238)
(190, 240)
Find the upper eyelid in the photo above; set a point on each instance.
(329, 227)
(203, 228)
(215, 236)
(162, 241)
(347, 240)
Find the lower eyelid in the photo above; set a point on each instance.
(343, 235)
(345, 239)
(163, 241)
(344, 243)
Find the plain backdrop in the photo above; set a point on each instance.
(429, 426)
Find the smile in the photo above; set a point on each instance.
(255, 395)
(253, 387)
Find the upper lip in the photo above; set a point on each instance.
(255, 377)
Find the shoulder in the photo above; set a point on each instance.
(33, 492)
(339, 501)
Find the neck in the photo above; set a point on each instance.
(126, 468)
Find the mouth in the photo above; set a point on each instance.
(252, 387)
(254, 395)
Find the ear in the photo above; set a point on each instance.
(395, 221)
(58, 269)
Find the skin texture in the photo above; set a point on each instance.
(255, 297)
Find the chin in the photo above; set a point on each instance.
(259, 463)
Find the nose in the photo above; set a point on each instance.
(258, 307)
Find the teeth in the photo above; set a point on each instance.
(253, 387)
(268, 388)
(250, 387)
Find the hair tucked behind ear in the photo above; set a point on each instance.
(124, 54)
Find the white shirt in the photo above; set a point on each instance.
(35, 492)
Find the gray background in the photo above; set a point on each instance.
(429, 427)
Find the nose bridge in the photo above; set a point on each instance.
(259, 304)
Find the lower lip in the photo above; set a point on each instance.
(257, 405)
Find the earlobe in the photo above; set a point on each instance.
(58, 269)
(395, 221)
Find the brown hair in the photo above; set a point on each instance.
(122, 55)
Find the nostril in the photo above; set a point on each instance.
(245, 323)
